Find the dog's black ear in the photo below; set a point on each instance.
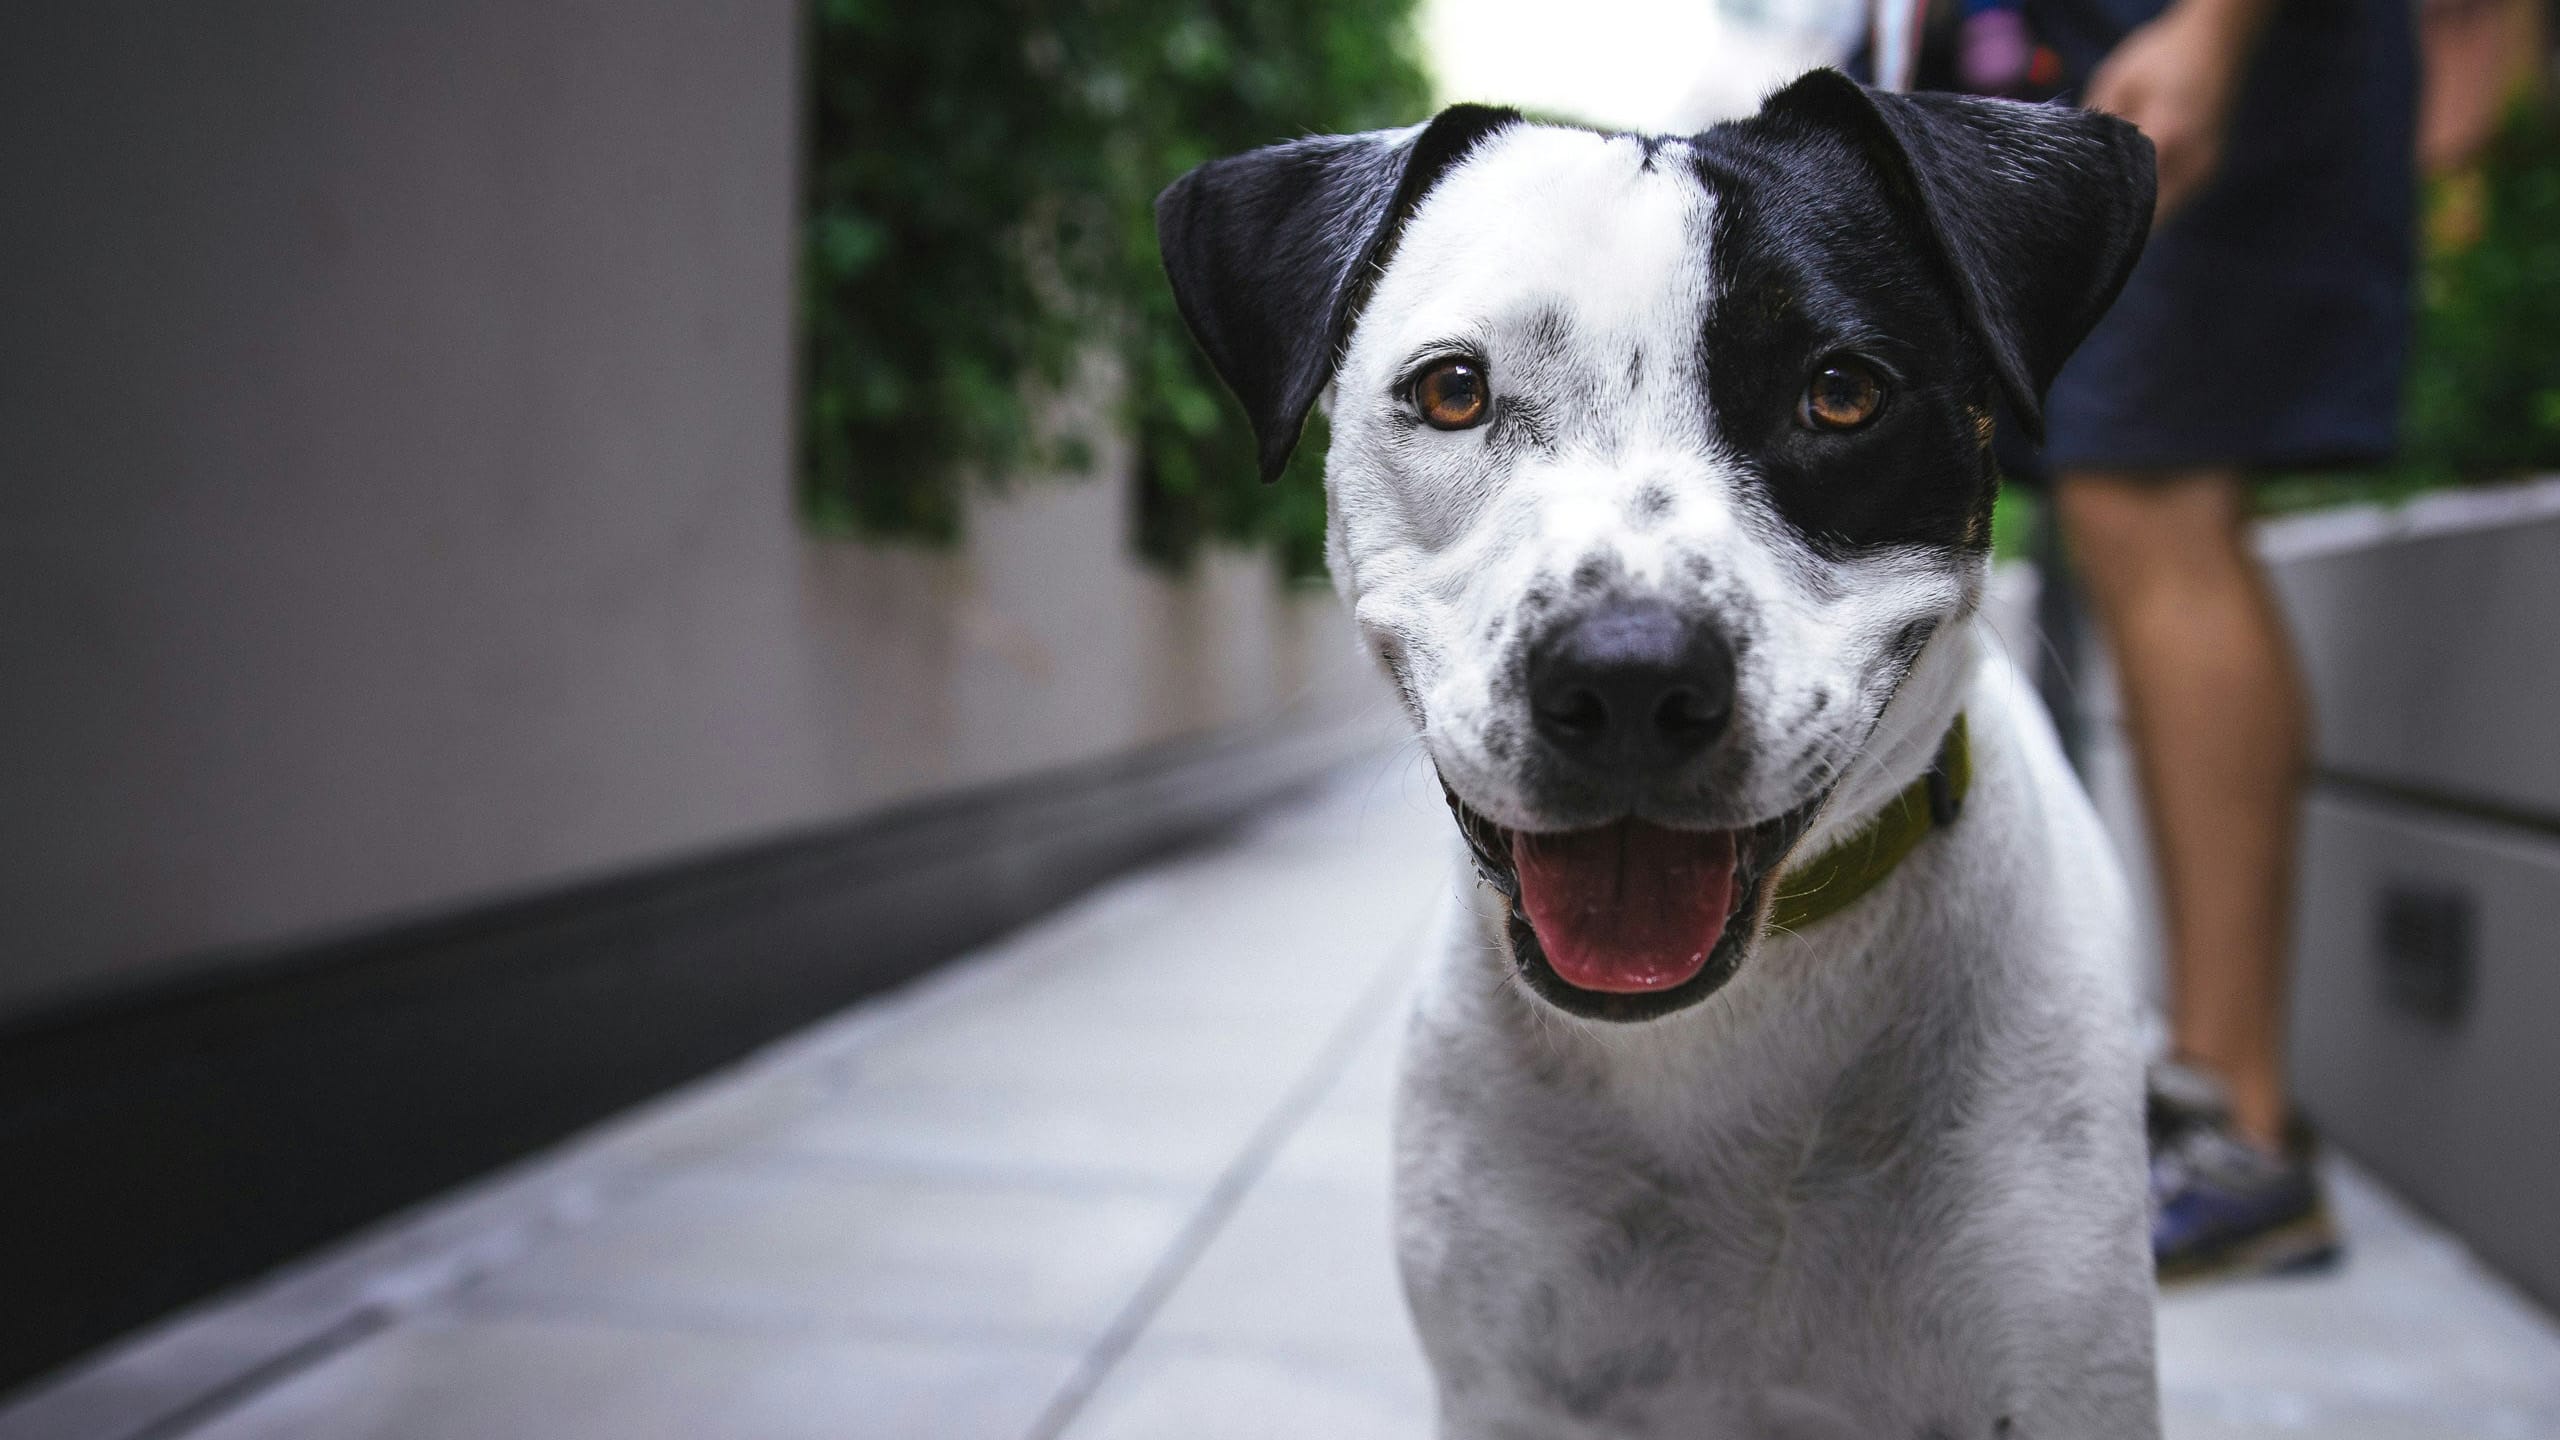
(1270, 252)
(2038, 211)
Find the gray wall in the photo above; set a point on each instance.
(395, 489)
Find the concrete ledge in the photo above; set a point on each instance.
(187, 1136)
(2431, 856)
(2422, 632)
(2421, 1039)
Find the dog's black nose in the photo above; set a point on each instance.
(1633, 687)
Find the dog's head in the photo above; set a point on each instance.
(1657, 461)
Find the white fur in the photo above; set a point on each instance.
(1887, 1182)
(1434, 549)
(1751, 1218)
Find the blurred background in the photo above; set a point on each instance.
(557, 558)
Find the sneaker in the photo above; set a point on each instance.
(2223, 1208)
(2176, 1097)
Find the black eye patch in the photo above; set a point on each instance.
(1838, 365)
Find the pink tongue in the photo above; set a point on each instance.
(1628, 907)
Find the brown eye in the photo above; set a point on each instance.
(1452, 394)
(1842, 395)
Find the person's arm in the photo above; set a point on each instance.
(2176, 78)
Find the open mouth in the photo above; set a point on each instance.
(1629, 921)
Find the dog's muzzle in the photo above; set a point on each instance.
(1630, 921)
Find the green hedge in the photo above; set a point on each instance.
(978, 222)
(2484, 388)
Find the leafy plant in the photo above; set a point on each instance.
(2484, 388)
(979, 227)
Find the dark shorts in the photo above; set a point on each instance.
(2268, 322)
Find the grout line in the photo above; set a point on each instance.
(276, 1369)
(1220, 1204)
(893, 1167)
(592, 1155)
(677, 1319)
(522, 1193)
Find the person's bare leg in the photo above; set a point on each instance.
(2221, 738)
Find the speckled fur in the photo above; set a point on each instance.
(1887, 1181)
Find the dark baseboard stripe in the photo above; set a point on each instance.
(2374, 790)
(157, 1146)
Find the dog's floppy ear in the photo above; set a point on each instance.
(1270, 251)
(2038, 211)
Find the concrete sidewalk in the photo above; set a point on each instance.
(1122, 1176)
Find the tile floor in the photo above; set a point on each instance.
(1121, 1177)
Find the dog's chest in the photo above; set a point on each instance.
(1600, 1292)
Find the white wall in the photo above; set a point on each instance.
(395, 489)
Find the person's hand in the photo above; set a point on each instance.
(2176, 78)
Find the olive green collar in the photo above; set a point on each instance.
(1832, 881)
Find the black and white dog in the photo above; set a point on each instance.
(1783, 1082)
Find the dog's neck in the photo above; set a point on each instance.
(1906, 740)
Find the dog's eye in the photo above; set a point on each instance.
(1452, 394)
(1842, 395)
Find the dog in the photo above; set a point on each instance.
(1779, 1079)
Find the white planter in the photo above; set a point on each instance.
(2426, 1006)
